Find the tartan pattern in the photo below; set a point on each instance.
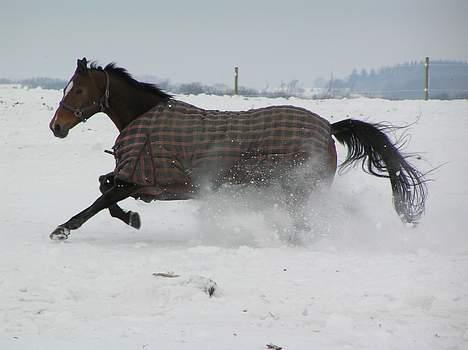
(176, 147)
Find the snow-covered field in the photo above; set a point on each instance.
(364, 281)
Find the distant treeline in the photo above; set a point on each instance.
(195, 88)
(45, 83)
(447, 80)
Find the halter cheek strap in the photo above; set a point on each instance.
(84, 113)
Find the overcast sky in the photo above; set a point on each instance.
(202, 40)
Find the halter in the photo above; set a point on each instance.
(98, 106)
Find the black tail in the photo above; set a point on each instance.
(380, 157)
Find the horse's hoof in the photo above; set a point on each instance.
(60, 234)
(134, 219)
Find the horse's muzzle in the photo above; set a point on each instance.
(59, 131)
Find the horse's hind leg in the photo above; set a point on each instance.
(297, 192)
(296, 202)
(129, 217)
(298, 184)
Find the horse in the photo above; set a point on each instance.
(170, 150)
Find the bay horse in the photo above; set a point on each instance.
(169, 150)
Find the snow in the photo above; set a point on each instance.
(362, 281)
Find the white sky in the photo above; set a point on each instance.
(271, 41)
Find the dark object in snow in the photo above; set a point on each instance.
(211, 288)
(273, 347)
(207, 285)
(168, 149)
(165, 274)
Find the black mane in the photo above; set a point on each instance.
(123, 74)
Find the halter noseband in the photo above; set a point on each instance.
(97, 106)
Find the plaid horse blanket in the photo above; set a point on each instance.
(175, 148)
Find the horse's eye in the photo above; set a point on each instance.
(79, 91)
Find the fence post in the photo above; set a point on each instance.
(236, 78)
(426, 79)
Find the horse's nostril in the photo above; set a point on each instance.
(57, 127)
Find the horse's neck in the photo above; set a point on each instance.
(128, 102)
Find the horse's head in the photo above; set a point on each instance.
(86, 93)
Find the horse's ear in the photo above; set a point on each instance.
(82, 65)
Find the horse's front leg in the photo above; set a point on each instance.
(112, 196)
